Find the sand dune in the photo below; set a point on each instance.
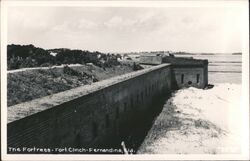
(196, 121)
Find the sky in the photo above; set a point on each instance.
(127, 29)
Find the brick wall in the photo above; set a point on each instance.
(94, 119)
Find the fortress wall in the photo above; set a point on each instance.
(88, 119)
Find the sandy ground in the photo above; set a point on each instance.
(196, 121)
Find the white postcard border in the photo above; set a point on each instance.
(245, 79)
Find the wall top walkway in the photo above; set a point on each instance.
(22, 110)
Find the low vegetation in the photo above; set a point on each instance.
(26, 56)
(28, 85)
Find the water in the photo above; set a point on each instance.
(222, 68)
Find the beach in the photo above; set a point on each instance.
(198, 121)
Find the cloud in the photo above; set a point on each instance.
(115, 21)
(120, 24)
(126, 29)
(72, 26)
(83, 23)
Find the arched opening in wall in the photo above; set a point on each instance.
(141, 96)
(125, 107)
(189, 82)
(94, 130)
(78, 140)
(103, 96)
(131, 102)
(182, 78)
(167, 84)
(117, 113)
(107, 121)
(197, 78)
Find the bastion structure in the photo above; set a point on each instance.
(104, 113)
(186, 72)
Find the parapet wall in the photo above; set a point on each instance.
(88, 115)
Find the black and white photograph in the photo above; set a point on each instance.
(124, 79)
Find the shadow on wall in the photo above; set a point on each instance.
(132, 131)
(136, 130)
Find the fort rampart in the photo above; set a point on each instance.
(91, 115)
